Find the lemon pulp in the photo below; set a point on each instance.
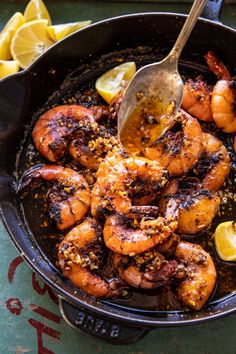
(8, 67)
(113, 81)
(7, 33)
(36, 10)
(58, 32)
(225, 240)
(29, 41)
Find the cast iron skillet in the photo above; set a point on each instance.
(23, 94)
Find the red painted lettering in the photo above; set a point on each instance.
(14, 306)
(12, 269)
(40, 329)
(45, 313)
(42, 290)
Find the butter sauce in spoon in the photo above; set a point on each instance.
(154, 94)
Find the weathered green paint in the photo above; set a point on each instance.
(69, 11)
(17, 335)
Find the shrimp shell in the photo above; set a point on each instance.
(80, 254)
(200, 277)
(69, 196)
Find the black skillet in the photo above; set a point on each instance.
(84, 56)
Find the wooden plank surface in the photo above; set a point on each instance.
(30, 321)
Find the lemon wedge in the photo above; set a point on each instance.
(7, 33)
(8, 67)
(29, 41)
(58, 32)
(225, 240)
(36, 10)
(113, 81)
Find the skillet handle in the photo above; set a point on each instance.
(212, 10)
(99, 327)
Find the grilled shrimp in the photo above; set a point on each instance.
(80, 254)
(131, 236)
(130, 181)
(197, 99)
(178, 151)
(197, 207)
(197, 212)
(55, 128)
(214, 164)
(223, 96)
(91, 147)
(199, 275)
(55, 132)
(147, 270)
(69, 196)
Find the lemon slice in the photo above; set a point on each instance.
(29, 41)
(225, 240)
(59, 32)
(111, 83)
(36, 10)
(7, 33)
(8, 67)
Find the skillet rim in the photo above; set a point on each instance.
(105, 21)
(108, 310)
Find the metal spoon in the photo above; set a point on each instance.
(154, 94)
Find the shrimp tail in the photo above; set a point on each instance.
(100, 112)
(30, 178)
(116, 288)
(217, 67)
(165, 274)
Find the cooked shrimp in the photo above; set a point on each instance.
(223, 96)
(91, 147)
(197, 99)
(80, 254)
(223, 105)
(214, 164)
(69, 197)
(147, 270)
(197, 212)
(168, 192)
(99, 202)
(129, 236)
(55, 132)
(178, 151)
(130, 181)
(197, 206)
(54, 129)
(199, 275)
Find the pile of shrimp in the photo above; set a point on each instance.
(139, 207)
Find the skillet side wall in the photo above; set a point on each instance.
(23, 94)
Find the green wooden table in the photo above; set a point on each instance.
(30, 321)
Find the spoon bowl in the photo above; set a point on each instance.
(148, 107)
(154, 94)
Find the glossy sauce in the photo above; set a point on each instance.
(148, 122)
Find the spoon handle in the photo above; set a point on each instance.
(195, 11)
